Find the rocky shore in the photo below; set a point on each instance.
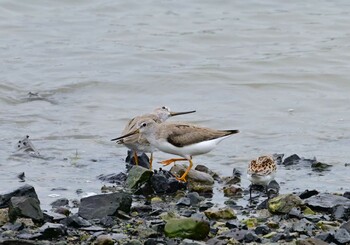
(151, 207)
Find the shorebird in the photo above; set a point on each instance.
(138, 143)
(182, 139)
(261, 172)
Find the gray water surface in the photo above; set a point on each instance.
(277, 71)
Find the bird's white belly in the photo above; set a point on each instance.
(187, 151)
(261, 179)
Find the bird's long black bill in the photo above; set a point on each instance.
(126, 135)
(180, 113)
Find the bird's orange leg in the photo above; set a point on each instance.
(136, 158)
(172, 160)
(150, 161)
(183, 177)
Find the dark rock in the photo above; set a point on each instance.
(27, 207)
(306, 194)
(346, 226)
(341, 212)
(99, 206)
(160, 183)
(21, 177)
(60, 202)
(319, 166)
(291, 160)
(143, 159)
(325, 202)
(108, 221)
(236, 233)
(205, 206)
(262, 230)
(75, 221)
(202, 168)
(187, 213)
(184, 201)
(342, 236)
(51, 230)
(113, 178)
(154, 241)
(262, 205)
(144, 190)
(175, 185)
(137, 176)
(25, 190)
(133, 242)
(231, 224)
(347, 194)
(283, 204)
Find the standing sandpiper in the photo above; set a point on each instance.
(138, 143)
(261, 172)
(185, 140)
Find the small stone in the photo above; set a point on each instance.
(250, 223)
(231, 224)
(62, 210)
(113, 178)
(137, 176)
(187, 228)
(307, 194)
(230, 191)
(223, 213)
(60, 202)
(4, 213)
(303, 226)
(347, 194)
(283, 204)
(195, 198)
(206, 205)
(51, 230)
(262, 230)
(104, 240)
(156, 199)
(184, 201)
(143, 160)
(291, 160)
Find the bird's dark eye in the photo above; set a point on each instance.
(143, 124)
(163, 107)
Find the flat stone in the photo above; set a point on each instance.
(311, 241)
(25, 190)
(346, 226)
(326, 202)
(143, 159)
(24, 206)
(306, 194)
(104, 240)
(341, 212)
(99, 206)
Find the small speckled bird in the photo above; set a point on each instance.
(261, 172)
